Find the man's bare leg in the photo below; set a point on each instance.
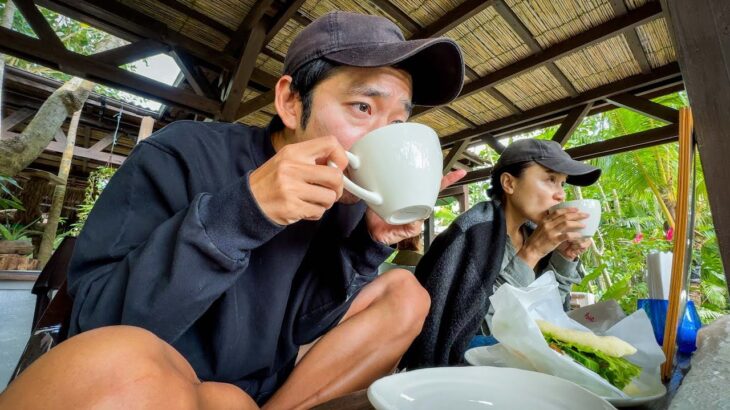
(118, 367)
(380, 325)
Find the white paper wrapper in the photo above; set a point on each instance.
(523, 346)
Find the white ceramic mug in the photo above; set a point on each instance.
(397, 170)
(592, 207)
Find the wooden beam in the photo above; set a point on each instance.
(79, 152)
(197, 80)
(453, 18)
(131, 52)
(504, 100)
(16, 118)
(670, 71)
(703, 44)
(255, 104)
(38, 23)
(645, 107)
(641, 15)
(452, 112)
(473, 158)
(398, 15)
(281, 17)
(523, 33)
(644, 139)
(59, 136)
(34, 50)
(254, 43)
(491, 140)
(102, 143)
(570, 123)
(454, 155)
(632, 38)
(239, 38)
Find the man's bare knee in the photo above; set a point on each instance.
(409, 301)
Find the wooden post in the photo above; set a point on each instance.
(145, 128)
(682, 251)
(59, 193)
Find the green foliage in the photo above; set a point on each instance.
(8, 200)
(98, 179)
(17, 232)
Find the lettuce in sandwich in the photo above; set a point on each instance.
(603, 355)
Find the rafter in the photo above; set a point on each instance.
(453, 18)
(399, 15)
(645, 107)
(524, 34)
(37, 51)
(38, 23)
(571, 122)
(454, 154)
(641, 15)
(632, 38)
(131, 52)
(669, 71)
(254, 43)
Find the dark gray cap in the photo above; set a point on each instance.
(359, 40)
(550, 155)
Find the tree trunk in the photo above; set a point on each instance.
(17, 152)
(6, 21)
(59, 193)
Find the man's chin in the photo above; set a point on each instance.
(348, 198)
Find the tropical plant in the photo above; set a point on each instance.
(17, 232)
(98, 179)
(8, 200)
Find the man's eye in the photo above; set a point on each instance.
(362, 107)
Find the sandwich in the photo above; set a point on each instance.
(603, 355)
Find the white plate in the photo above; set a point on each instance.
(480, 388)
(491, 356)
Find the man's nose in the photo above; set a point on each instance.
(560, 195)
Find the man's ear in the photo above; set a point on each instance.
(288, 104)
(508, 183)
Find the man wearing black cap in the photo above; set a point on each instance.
(510, 239)
(225, 248)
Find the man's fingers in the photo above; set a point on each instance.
(322, 150)
(451, 178)
(324, 176)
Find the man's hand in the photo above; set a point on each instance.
(297, 184)
(557, 228)
(388, 234)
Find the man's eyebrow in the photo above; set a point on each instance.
(370, 91)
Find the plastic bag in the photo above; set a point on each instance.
(523, 346)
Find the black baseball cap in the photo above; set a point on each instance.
(436, 65)
(550, 155)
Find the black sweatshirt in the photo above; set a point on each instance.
(176, 244)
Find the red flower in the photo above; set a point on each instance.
(669, 235)
(639, 236)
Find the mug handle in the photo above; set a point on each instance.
(371, 197)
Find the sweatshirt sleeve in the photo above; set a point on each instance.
(154, 256)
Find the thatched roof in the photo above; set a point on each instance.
(529, 62)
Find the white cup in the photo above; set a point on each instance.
(397, 170)
(592, 207)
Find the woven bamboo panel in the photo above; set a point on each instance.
(426, 12)
(657, 42)
(180, 23)
(441, 122)
(487, 42)
(600, 64)
(632, 4)
(532, 89)
(552, 21)
(249, 94)
(230, 13)
(284, 37)
(269, 65)
(313, 9)
(480, 108)
(257, 119)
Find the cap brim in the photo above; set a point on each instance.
(436, 65)
(579, 173)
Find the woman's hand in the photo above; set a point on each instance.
(556, 228)
(573, 249)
